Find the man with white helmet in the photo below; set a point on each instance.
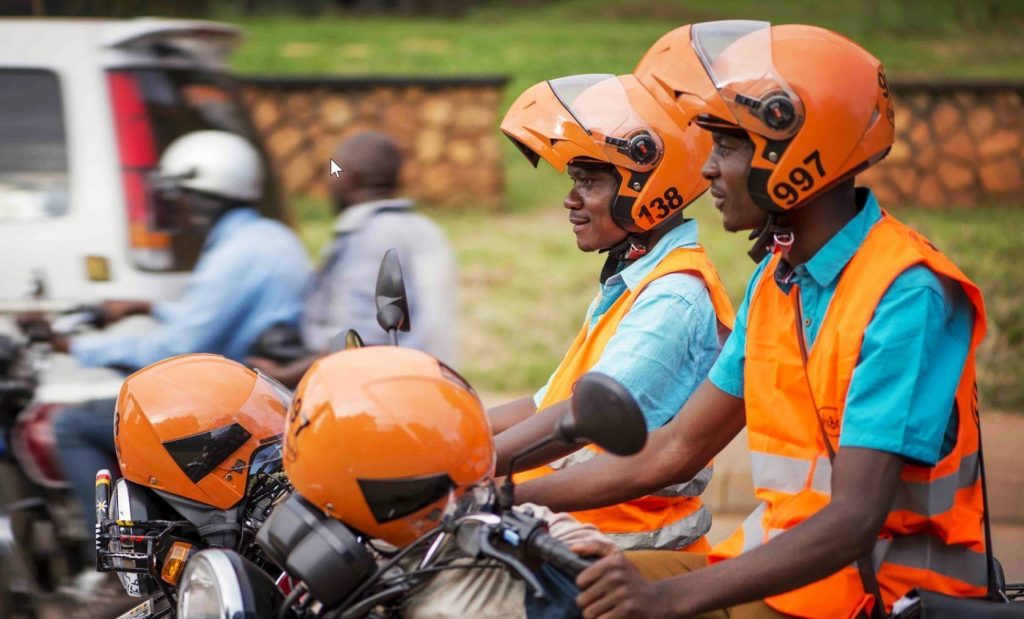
(251, 274)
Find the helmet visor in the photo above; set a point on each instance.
(262, 415)
(601, 105)
(737, 55)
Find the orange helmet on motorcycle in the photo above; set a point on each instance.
(190, 425)
(384, 439)
(816, 105)
(615, 120)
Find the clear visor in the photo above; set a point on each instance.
(737, 55)
(601, 106)
(263, 413)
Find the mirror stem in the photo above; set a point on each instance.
(507, 495)
(393, 333)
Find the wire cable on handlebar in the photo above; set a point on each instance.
(388, 565)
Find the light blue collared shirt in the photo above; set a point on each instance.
(667, 342)
(342, 294)
(252, 273)
(901, 393)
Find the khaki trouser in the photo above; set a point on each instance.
(662, 564)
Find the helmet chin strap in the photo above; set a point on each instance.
(631, 248)
(774, 235)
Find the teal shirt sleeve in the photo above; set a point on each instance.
(663, 348)
(727, 373)
(902, 390)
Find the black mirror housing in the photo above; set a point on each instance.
(390, 296)
(605, 413)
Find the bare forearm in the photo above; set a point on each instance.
(607, 480)
(507, 415)
(537, 427)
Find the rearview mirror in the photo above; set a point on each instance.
(604, 412)
(392, 306)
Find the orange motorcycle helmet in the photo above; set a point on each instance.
(385, 439)
(190, 426)
(671, 71)
(614, 120)
(816, 105)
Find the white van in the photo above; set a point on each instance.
(86, 108)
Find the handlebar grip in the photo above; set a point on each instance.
(558, 554)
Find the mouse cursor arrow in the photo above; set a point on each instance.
(336, 169)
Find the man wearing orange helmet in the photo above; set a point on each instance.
(656, 323)
(851, 363)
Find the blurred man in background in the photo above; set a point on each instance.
(251, 274)
(372, 219)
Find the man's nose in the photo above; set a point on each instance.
(572, 200)
(710, 169)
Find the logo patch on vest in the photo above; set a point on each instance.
(830, 418)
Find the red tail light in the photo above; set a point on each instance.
(138, 154)
(35, 446)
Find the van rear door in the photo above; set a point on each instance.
(171, 81)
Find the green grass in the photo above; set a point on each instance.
(535, 41)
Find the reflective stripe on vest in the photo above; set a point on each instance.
(932, 536)
(789, 475)
(675, 535)
(673, 517)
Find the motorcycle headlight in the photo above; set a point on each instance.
(220, 584)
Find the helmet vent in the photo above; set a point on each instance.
(390, 499)
(198, 455)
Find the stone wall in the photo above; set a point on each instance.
(957, 143)
(447, 130)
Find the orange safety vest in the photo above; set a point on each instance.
(674, 517)
(933, 536)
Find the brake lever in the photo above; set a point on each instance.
(489, 550)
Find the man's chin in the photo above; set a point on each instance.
(731, 226)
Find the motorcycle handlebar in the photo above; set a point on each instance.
(558, 554)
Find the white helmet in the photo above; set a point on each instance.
(215, 162)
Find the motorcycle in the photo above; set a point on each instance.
(40, 525)
(193, 493)
(146, 531)
(328, 569)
